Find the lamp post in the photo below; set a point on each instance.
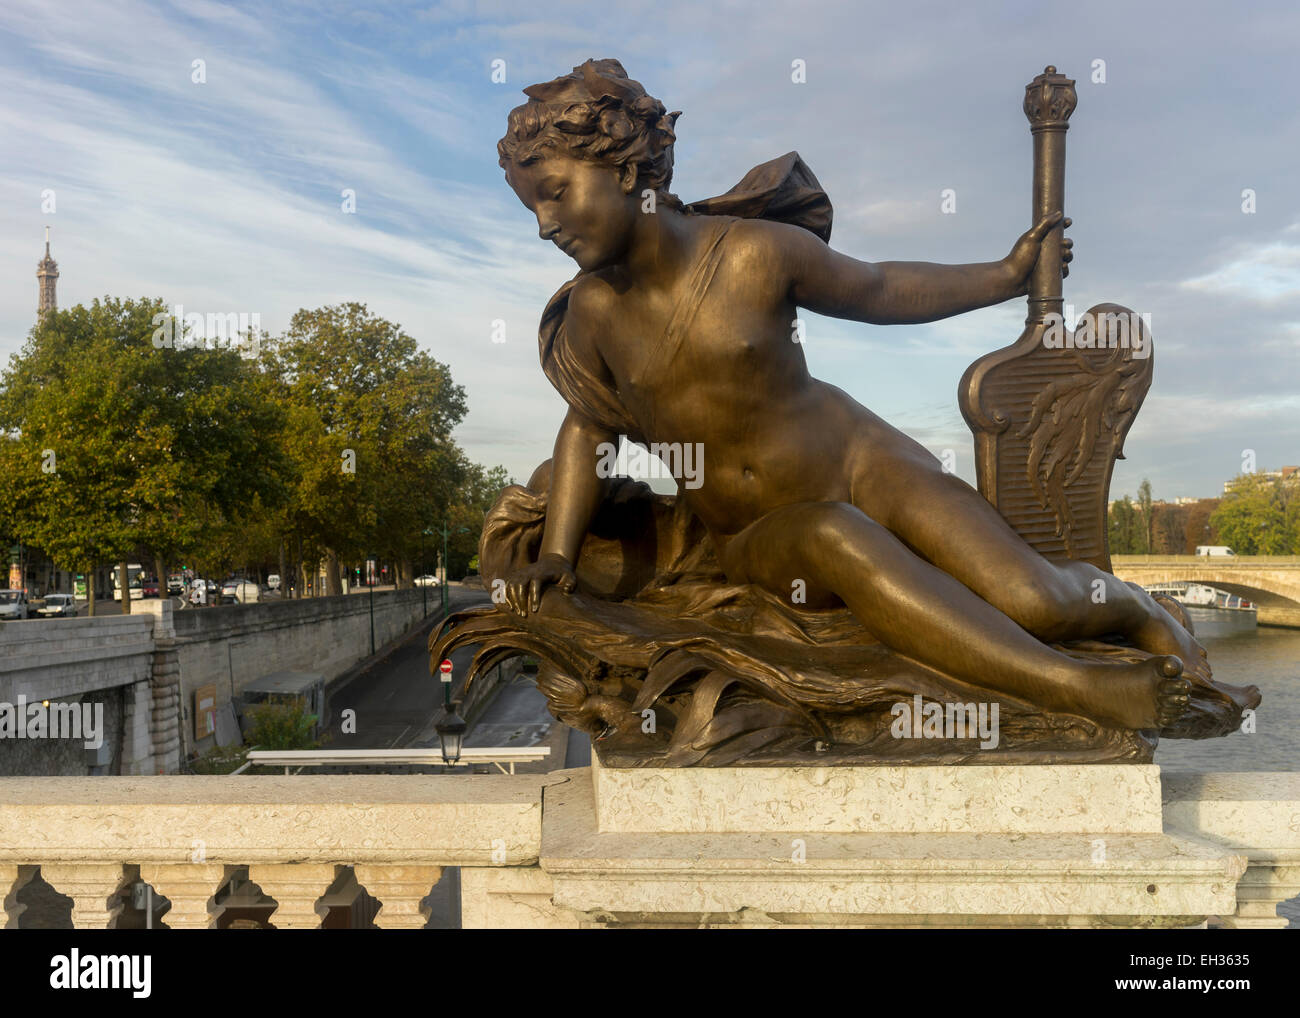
(370, 577)
(451, 726)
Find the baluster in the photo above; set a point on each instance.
(190, 887)
(296, 888)
(92, 888)
(400, 890)
(1259, 892)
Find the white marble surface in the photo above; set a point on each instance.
(876, 879)
(1056, 799)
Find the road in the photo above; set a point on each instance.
(396, 698)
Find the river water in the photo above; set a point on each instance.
(1244, 655)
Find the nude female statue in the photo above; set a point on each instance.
(684, 321)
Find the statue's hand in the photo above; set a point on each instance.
(1024, 256)
(525, 586)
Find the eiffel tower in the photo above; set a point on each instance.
(47, 273)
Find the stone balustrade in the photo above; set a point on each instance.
(580, 848)
(294, 837)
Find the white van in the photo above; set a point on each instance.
(14, 605)
(1214, 549)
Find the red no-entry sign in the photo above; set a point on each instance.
(445, 668)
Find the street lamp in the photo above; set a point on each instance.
(451, 732)
(451, 726)
(370, 577)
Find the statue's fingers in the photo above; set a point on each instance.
(1068, 222)
(1046, 223)
(534, 595)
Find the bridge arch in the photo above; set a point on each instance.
(1272, 582)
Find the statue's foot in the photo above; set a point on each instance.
(1139, 695)
(1163, 634)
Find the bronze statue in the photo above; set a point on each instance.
(822, 565)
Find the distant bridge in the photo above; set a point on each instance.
(1272, 582)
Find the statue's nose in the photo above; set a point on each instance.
(547, 230)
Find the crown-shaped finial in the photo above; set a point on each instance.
(1049, 100)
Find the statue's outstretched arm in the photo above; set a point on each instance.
(901, 293)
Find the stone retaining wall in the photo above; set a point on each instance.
(145, 668)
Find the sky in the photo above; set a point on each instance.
(227, 194)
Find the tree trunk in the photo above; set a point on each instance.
(334, 583)
(284, 572)
(160, 567)
(90, 591)
(124, 587)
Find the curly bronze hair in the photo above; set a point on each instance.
(599, 114)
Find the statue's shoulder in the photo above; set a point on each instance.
(578, 310)
(760, 247)
(572, 361)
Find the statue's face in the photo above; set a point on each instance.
(584, 208)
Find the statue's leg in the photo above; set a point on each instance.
(953, 526)
(920, 611)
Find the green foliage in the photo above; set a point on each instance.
(120, 444)
(281, 724)
(1159, 528)
(1260, 516)
(204, 457)
(360, 392)
(1125, 528)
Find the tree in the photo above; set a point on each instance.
(1197, 530)
(1124, 528)
(125, 444)
(1259, 516)
(71, 469)
(371, 417)
(1148, 518)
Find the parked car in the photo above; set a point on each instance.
(148, 587)
(14, 605)
(426, 581)
(58, 605)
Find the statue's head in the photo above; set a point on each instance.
(582, 152)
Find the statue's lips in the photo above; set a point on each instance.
(568, 246)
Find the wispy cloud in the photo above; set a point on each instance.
(226, 195)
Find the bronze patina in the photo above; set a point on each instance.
(817, 567)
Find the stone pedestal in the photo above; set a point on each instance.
(1065, 846)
